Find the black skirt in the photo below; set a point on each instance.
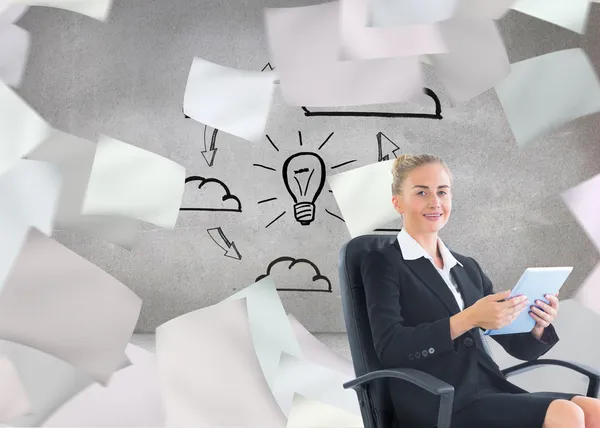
(498, 409)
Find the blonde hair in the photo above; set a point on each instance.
(404, 164)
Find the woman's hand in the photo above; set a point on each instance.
(543, 317)
(492, 312)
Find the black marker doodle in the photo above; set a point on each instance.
(210, 206)
(304, 175)
(326, 284)
(387, 149)
(210, 151)
(221, 240)
(268, 65)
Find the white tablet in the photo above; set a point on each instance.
(535, 283)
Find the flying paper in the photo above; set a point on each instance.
(131, 399)
(271, 330)
(476, 60)
(14, 50)
(304, 42)
(230, 100)
(308, 413)
(297, 376)
(132, 182)
(572, 14)
(364, 196)
(11, 13)
(74, 157)
(394, 13)
(484, 8)
(97, 9)
(589, 293)
(584, 202)
(29, 195)
(21, 128)
(209, 373)
(49, 382)
(361, 42)
(545, 92)
(80, 313)
(317, 352)
(14, 401)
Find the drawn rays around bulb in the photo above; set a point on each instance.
(304, 174)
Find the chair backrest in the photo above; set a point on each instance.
(375, 402)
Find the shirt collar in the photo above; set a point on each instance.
(412, 250)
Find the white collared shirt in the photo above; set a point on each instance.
(412, 250)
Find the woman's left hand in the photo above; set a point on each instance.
(543, 317)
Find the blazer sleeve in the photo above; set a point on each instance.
(521, 345)
(394, 342)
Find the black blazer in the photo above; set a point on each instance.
(409, 307)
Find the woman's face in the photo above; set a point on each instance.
(426, 201)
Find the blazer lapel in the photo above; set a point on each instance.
(465, 285)
(428, 274)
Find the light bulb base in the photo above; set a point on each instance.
(304, 213)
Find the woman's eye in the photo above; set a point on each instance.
(443, 193)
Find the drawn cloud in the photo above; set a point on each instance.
(305, 277)
(210, 194)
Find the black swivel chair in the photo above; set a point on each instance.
(371, 381)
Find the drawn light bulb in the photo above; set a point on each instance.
(304, 177)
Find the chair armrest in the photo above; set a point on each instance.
(421, 379)
(592, 374)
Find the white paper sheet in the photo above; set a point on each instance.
(361, 42)
(308, 413)
(484, 8)
(132, 182)
(545, 92)
(583, 200)
(80, 313)
(97, 9)
(131, 399)
(589, 293)
(394, 13)
(14, 400)
(271, 330)
(11, 13)
(477, 58)
(572, 14)
(230, 100)
(311, 73)
(209, 373)
(21, 128)
(49, 381)
(364, 196)
(74, 157)
(317, 352)
(313, 382)
(29, 194)
(14, 51)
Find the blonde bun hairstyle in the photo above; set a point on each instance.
(405, 163)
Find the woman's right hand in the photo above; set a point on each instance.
(491, 313)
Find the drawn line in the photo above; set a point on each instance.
(387, 230)
(325, 142)
(276, 218)
(273, 144)
(318, 290)
(336, 216)
(300, 137)
(265, 167)
(266, 200)
(342, 164)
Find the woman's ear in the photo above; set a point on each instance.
(397, 202)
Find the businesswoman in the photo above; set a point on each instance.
(427, 306)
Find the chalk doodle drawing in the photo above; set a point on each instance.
(284, 278)
(304, 175)
(385, 147)
(211, 194)
(210, 151)
(221, 240)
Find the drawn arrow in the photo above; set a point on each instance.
(390, 147)
(221, 240)
(210, 152)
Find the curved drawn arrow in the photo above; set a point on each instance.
(221, 240)
(210, 152)
(380, 151)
